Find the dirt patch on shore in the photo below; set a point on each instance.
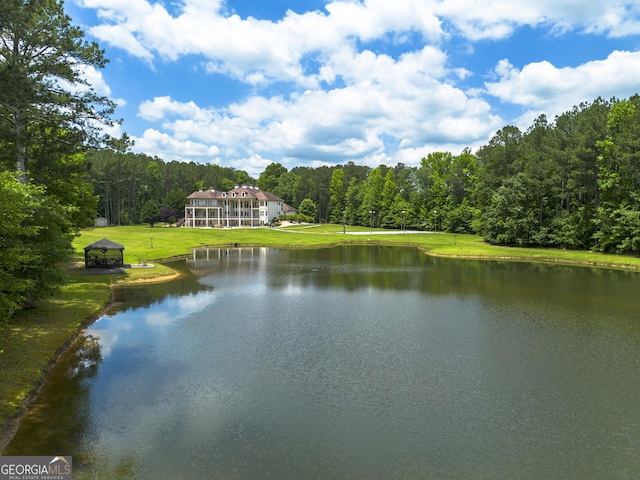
(158, 279)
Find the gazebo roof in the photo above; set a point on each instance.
(104, 244)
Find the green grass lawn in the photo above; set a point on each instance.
(153, 244)
(36, 337)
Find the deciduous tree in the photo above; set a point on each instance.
(308, 208)
(35, 236)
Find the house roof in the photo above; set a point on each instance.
(206, 194)
(104, 243)
(288, 208)
(244, 191)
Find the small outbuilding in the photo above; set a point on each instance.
(104, 254)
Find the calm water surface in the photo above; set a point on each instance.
(353, 363)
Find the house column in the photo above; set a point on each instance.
(191, 221)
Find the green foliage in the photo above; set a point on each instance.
(51, 248)
(64, 177)
(176, 199)
(574, 183)
(337, 191)
(16, 200)
(268, 179)
(353, 201)
(43, 95)
(287, 188)
(150, 213)
(294, 218)
(372, 195)
(389, 212)
(35, 237)
(511, 217)
(308, 208)
(462, 218)
(620, 231)
(124, 182)
(49, 116)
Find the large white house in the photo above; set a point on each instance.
(244, 206)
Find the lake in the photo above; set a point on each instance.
(368, 362)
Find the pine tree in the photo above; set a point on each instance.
(43, 91)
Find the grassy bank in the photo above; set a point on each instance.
(152, 244)
(35, 337)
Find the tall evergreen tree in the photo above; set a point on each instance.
(353, 202)
(287, 188)
(372, 195)
(337, 196)
(388, 214)
(49, 116)
(42, 87)
(268, 179)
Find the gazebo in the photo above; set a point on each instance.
(104, 254)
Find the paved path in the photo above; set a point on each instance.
(387, 232)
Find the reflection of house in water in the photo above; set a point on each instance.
(208, 260)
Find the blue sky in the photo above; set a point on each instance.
(243, 83)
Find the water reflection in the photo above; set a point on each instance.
(354, 362)
(63, 419)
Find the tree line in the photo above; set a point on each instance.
(572, 183)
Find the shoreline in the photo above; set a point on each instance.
(9, 429)
(12, 423)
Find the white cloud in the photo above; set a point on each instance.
(358, 104)
(250, 49)
(259, 51)
(126, 40)
(154, 142)
(382, 98)
(253, 165)
(374, 19)
(158, 319)
(498, 18)
(542, 86)
(162, 107)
